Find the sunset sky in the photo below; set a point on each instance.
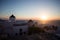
(27, 9)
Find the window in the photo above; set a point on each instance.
(20, 32)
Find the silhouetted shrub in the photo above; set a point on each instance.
(33, 30)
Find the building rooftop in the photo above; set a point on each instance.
(12, 16)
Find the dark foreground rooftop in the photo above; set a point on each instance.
(41, 36)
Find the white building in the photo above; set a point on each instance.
(14, 27)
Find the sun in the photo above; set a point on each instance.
(43, 17)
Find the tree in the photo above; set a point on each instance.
(33, 30)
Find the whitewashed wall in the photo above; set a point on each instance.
(16, 29)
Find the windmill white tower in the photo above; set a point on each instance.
(12, 18)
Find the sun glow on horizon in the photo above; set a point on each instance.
(43, 17)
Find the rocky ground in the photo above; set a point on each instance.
(41, 36)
